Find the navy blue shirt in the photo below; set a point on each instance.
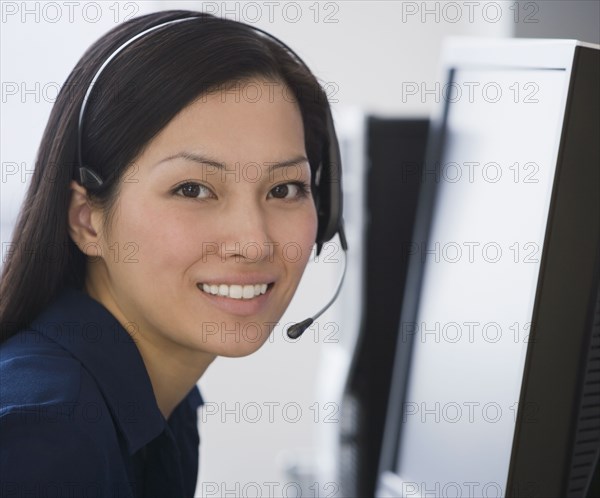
(78, 416)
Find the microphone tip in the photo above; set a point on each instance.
(296, 330)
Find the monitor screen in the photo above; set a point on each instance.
(481, 265)
(494, 376)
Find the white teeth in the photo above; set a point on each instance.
(235, 291)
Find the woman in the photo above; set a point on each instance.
(193, 166)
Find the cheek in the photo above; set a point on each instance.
(309, 237)
(163, 238)
(300, 234)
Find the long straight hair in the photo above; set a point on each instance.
(136, 96)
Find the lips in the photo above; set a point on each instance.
(237, 306)
(235, 291)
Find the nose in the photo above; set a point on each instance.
(245, 232)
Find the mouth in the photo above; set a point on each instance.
(240, 300)
(236, 291)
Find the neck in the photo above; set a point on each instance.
(173, 369)
(172, 376)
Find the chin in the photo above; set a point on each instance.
(230, 342)
(239, 350)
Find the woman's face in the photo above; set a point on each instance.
(215, 203)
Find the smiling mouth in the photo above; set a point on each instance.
(235, 291)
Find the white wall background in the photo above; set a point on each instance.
(367, 52)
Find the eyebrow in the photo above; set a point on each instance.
(200, 159)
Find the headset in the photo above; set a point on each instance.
(328, 177)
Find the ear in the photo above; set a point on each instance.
(83, 220)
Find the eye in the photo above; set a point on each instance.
(193, 191)
(299, 190)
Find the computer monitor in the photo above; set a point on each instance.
(496, 381)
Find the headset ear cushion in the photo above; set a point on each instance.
(330, 188)
(317, 196)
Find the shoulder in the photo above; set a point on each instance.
(52, 439)
(46, 452)
(36, 372)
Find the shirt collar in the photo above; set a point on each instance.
(86, 329)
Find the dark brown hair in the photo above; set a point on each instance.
(136, 96)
